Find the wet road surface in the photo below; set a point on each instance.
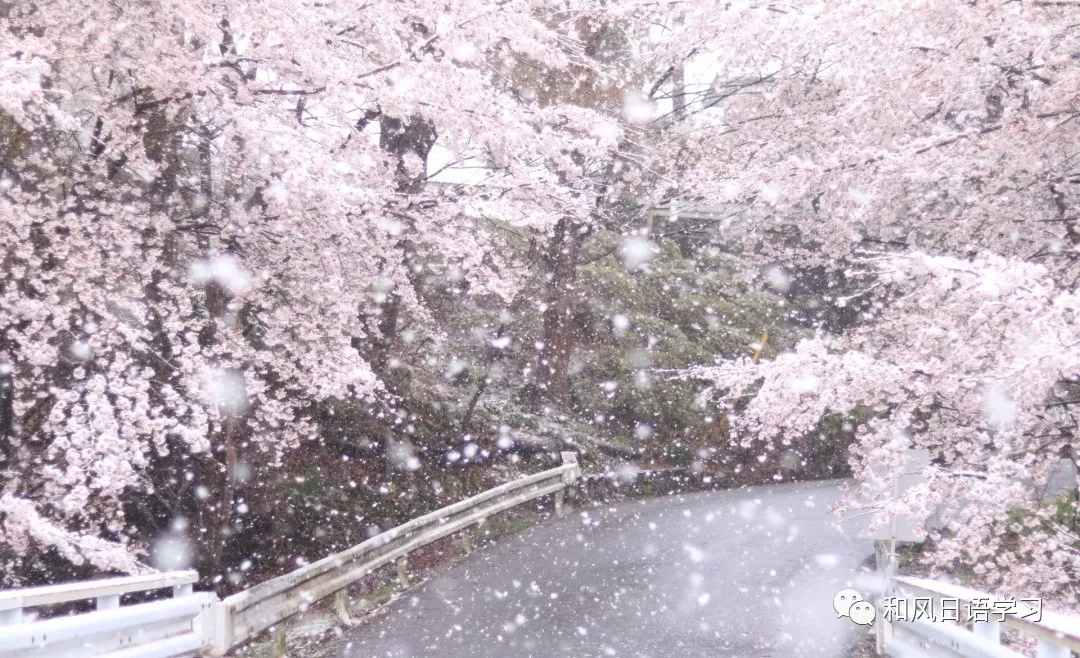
(748, 573)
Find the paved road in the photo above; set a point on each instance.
(748, 573)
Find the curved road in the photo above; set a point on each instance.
(748, 573)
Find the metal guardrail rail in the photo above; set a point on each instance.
(194, 623)
(248, 613)
(106, 592)
(161, 629)
(1058, 635)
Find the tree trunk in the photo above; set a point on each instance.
(553, 366)
(399, 139)
(7, 415)
(228, 492)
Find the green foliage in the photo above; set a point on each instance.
(1063, 514)
(643, 325)
(682, 310)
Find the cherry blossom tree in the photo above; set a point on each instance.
(215, 219)
(219, 219)
(971, 361)
(927, 151)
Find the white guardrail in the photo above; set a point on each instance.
(974, 620)
(193, 623)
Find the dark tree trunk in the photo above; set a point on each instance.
(7, 416)
(400, 138)
(561, 260)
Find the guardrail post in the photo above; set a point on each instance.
(107, 602)
(989, 630)
(402, 573)
(341, 606)
(1049, 649)
(11, 617)
(885, 559)
(573, 474)
(203, 624)
(277, 644)
(221, 628)
(466, 541)
(183, 590)
(560, 502)
(568, 478)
